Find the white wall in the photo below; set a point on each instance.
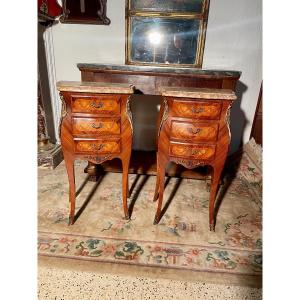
(233, 42)
(75, 43)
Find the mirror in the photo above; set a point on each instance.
(165, 33)
(164, 41)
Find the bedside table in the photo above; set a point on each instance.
(96, 125)
(193, 131)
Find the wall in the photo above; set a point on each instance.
(90, 43)
(233, 41)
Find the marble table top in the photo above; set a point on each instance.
(162, 70)
(203, 93)
(95, 87)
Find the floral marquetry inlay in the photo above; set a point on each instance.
(197, 109)
(192, 151)
(96, 125)
(98, 146)
(101, 104)
(194, 131)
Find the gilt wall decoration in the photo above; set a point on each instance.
(84, 12)
(166, 33)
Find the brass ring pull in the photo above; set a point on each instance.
(196, 111)
(96, 147)
(95, 126)
(95, 105)
(192, 131)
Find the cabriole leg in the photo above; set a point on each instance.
(161, 168)
(125, 190)
(157, 183)
(213, 192)
(70, 171)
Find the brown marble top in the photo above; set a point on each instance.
(95, 87)
(203, 93)
(153, 70)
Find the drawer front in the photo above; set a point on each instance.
(98, 146)
(194, 132)
(202, 152)
(100, 104)
(96, 126)
(197, 109)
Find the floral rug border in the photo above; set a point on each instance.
(155, 254)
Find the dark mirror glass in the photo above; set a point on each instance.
(164, 40)
(193, 6)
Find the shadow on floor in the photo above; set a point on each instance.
(171, 196)
(83, 184)
(137, 191)
(229, 174)
(89, 196)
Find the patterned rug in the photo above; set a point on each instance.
(181, 240)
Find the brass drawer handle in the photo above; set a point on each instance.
(95, 126)
(95, 105)
(197, 111)
(96, 147)
(192, 131)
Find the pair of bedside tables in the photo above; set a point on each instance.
(96, 125)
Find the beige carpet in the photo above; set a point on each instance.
(179, 248)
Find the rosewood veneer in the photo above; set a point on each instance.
(193, 131)
(96, 126)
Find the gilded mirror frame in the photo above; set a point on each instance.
(202, 16)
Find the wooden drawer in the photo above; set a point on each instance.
(194, 132)
(101, 104)
(197, 109)
(96, 126)
(102, 146)
(192, 151)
